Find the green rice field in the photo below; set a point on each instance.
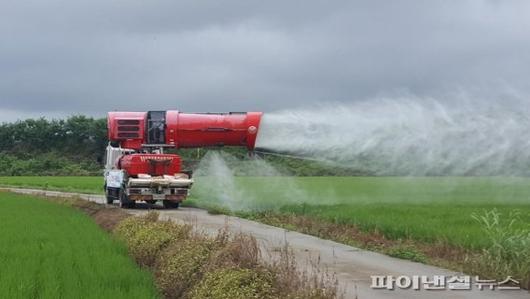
(428, 209)
(84, 184)
(421, 208)
(50, 250)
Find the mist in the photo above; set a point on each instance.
(218, 184)
(408, 135)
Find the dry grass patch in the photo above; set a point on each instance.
(181, 266)
(188, 264)
(146, 237)
(235, 283)
(310, 282)
(238, 251)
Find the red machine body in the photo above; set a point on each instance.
(128, 128)
(152, 164)
(145, 131)
(186, 130)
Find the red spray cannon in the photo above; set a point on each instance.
(137, 168)
(137, 130)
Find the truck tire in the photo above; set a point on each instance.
(171, 204)
(110, 199)
(125, 202)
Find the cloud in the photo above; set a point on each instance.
(64, 57)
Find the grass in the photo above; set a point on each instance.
(407, 212)
(49, 250)
(429, 209)
(191, 264)
(84, 184)
(431, 219)
(509, 252)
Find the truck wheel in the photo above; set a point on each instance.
(110, 199)
(171, 204)
(125, 202)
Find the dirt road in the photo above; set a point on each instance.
(352, 266)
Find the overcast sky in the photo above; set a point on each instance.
(61, 58)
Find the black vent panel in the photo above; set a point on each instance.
(128, 135)
(127, 122)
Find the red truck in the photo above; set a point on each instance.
(137, 169)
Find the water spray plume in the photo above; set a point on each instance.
(216, 183)
(407, 136)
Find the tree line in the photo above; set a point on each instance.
(73, 146)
